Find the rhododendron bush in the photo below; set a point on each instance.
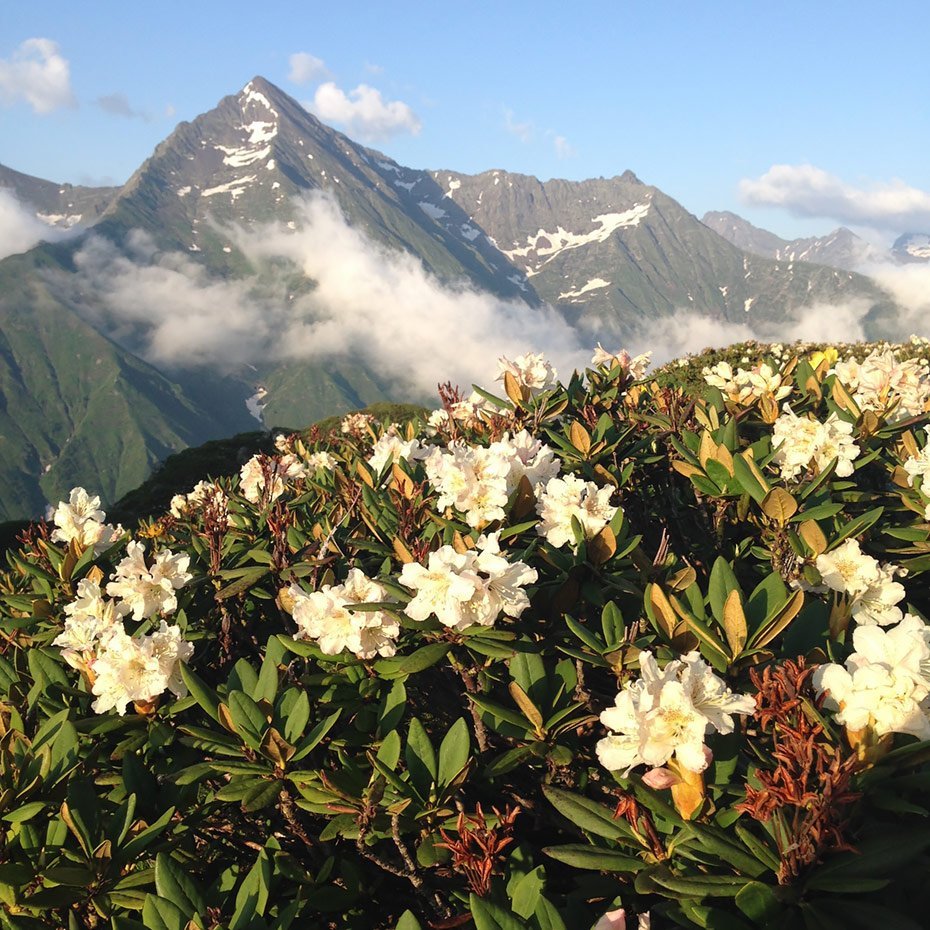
(624, 650)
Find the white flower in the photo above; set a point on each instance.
(138, 669)
(886, 384)
(91, 620)
(148, 591)
(667, 714)
(570, 496)
(324, 616)
(322, 459)
(919, 465)
(463, 589)
(530, 370)
(389, 447)
(745, 386)
(81, 520)
(635, 366)
(197, 498)
(801, 443)
(870, 587)
(472, 479)
(356, 424)
(259, 470)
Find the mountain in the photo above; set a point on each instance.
(61, 205)
(616, 254)
(912, 247)
(841, 248)
(85, 400)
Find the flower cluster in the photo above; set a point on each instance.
(744, 386)
(120, 668)
(530, 370)
(326, 616)
(461, 589)
(872, 591)
(569, 498)
(478, 480)
(80, 520)
(389, 448)
(665, 715)
(885, 684)
(801, 444)
(635, 366)
(264, 477)
(899, 388)
(203, 493)
(356, 424)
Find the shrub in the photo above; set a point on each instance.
(611, 646)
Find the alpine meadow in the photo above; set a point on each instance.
(392, 548)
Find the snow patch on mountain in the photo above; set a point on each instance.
(550, 244)
(235, 188)
(431, 210)
(592, 285)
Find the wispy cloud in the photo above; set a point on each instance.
(118, 104)
(563, 148)
(20, 229)
(810, 192)
(37, 74)
(368, 303)
(364, 113)
(306, 68)
(524, 130)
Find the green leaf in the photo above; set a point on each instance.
(526, 892)
(393, 705)
(248, 718)
(758, 902)
(408, 922)
(296, 717)
(586, 814)
(490, 916)
(201, 692)
(454, 751)
(547, 916)
(160, 914)
(418, 661)
(173, 882)
(252, 897)
(722, 582)
(591, 857)
(244, 579)
(313, 738)
(420, 757)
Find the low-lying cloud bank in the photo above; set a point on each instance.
(20, 229)
(360, 300)
(369, 303)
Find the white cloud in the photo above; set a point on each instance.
(306, 68)
(38, 74)
(364, 113)
(369, 303)
(808, 191)
(20, 230)
(563, 148)
(118, 104)
(523, 130)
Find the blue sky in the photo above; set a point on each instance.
(701, 100)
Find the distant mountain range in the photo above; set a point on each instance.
(841, 248)
(80, 405)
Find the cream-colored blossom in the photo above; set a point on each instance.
(531, 370)
(80, 520)
(562, 499)
(137, 669)
(635, 366)
(266, 478)
(872, 591)
(325, 617)
(145, 590)
(666, 714)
